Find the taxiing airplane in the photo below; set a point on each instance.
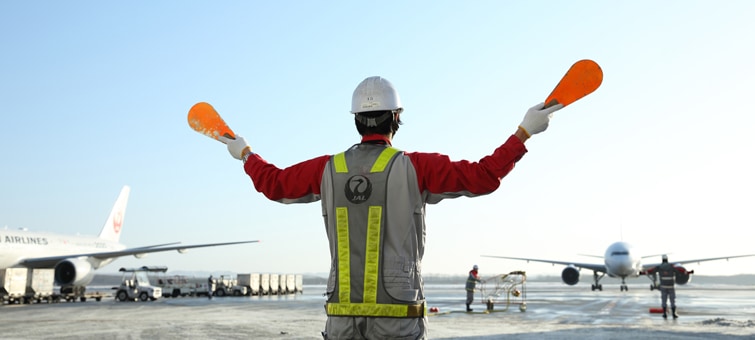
(75, 258)
(620, 261)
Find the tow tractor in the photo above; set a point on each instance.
(135, 285)
(225, 287)
(505, 288)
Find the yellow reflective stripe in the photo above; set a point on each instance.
(339, 161)
(383, 159)
(344, 271)
(375, 309)
(372, 254)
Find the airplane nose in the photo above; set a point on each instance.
(623, 267)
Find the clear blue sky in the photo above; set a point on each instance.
(95, 96)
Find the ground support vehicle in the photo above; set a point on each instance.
(176, 286)
(226, 287)
(73, 294)
(136, 286)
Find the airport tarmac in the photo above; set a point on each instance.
(554, 311)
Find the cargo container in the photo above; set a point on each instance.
(264, 284)
(282, 284)
(39, 285)
(299, 283)
(290, 283)
(251, 282)
(13, 285)
(274, 285)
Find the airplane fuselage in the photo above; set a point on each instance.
(621, 261)
(16, 245)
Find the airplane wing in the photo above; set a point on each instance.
(601, 268)
(51, 261)
(159, 245)
(653, 265)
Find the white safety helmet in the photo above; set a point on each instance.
(375, 94)
(664, 257)
(475, 267)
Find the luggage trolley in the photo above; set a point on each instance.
(505, 288)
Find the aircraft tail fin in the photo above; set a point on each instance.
(113, 225)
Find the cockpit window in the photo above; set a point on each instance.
(619, 253)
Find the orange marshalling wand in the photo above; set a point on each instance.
(204, 119)
(581, 79)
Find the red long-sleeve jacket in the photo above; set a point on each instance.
(437, 175)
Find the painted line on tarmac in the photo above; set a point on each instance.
(608, 307)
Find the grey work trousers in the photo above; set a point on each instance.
(360, 328)
(668, 294)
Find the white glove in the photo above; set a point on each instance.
(237, 147)
(536, 119)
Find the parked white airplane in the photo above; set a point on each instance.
(75, 258)
(620, 261)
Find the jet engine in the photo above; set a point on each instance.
(682, 275)
(570, 275)
(75, 272)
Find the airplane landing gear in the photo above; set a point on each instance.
(596, 280)
(624, 286)
(654, 279)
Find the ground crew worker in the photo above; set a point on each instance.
(209, 287)
(373, 204)
(472, 280)
(667, 274)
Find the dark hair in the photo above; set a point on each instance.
(377, 122)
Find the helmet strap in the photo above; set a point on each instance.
(373, 121)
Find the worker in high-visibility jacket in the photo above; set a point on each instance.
(667, 273)
(373, 203)
(472, 280)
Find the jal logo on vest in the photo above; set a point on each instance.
(358, 189)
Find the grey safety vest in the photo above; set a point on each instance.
(667, 275)
(374, 215)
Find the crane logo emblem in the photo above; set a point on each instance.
(358, 189)
(117, 222)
